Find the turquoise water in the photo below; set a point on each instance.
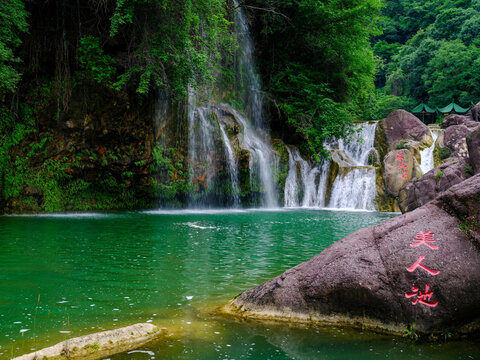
(67, 275)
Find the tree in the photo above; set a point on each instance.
(12, 24)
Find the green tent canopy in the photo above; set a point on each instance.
(423, 108)
(452, 108)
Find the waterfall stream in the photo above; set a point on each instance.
(426, 155)
(232, 167)
(209, 144)
(353, 187)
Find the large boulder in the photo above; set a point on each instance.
(417, 271)
(420, 191)
(473, 144)
(400, 125)
(399, 167)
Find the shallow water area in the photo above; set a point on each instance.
(65, 275)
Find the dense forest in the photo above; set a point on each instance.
(429, 52)
(80, 80)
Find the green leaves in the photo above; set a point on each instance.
(12, 23)
(438, 60)
(318, 63)
(93, 59)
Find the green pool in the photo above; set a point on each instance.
(65, 275)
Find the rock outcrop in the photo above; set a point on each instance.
(417, 271)
(399, 167)
(473, 113)
(401, 125)
(420, 191)
(473, 144)
(400, 134)
(98, 345)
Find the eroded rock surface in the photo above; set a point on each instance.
(473, 144)
(98, 345)
(399, 167)
(370, 279)
(402, 125)
(420, 191)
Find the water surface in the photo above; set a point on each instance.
(67, 275)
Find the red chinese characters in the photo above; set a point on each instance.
(418, 264)
(422, 297)
(424, 238)
(402, 165)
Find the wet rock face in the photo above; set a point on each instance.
(402, 125)
(417, 270)
(473, 144)
(420, 191)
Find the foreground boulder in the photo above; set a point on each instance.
(98, 345)
(416, 271)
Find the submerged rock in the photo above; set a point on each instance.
(98, 345)
(417, 271)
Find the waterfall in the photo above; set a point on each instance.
(232, 167)
(202, 152)
(262, 160)
(426, 155)
(249, 82)
(354, 186)
(361, 143)
(291, 186)
(310, 190)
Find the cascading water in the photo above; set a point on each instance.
(353, 188)
(232, 167)
(262, 160)
(309, 190)
(248, 85)
(426, 155)
(202, 151)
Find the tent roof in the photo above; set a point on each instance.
(422, 108)
(452, 106)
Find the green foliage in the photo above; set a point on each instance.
(380, 104)
(92, 58)
(13, 130)
(12, 23)
(169, 181)
(317, 62)
(438, 58)
(444, 153)
(175, 44)
(438, 175)
(467, 225)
